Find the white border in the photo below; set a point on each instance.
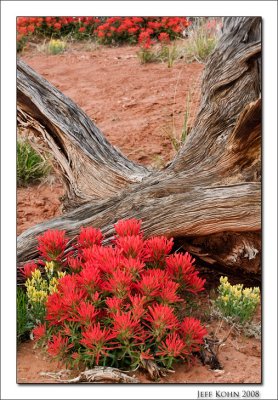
(11, 9)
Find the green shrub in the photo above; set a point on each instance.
(234, 301)
(202, 41)
(30, 165)
(23, 324)
(56, 46)
(147, 56)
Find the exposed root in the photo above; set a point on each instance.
(208, 354)
(154, 370)
(95, 375)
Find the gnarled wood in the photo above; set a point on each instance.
(96, 375)
(211, 190)
(91, 167)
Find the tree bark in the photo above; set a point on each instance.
(209, 196)
(91, 167)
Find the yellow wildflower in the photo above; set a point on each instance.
(223, 279)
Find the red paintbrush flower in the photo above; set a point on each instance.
(173, 346)
(89, 277)
(138, 305)
(164, 37)
(162, 319)
(59, 345)
(180, 265)
(128, 227)
(114, 304)
(133, 265)
(39, 331)
(145, 355)
(52, 245)
(130, 246)
(54, 311)
(144, 40)
(157, 248)
(89, 253)
(168, 292)
(195, 284)
(181, 269)
(85, 313)
(106, 258)
(75, 264)
(111, 260)
(89, 236)
(126, 328)
(119, 283)
(150, 283)
(96, 339)
(192, 333)
(28, 269)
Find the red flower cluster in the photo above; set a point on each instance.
(28, 269)
(108, 30)
(120, 303)
(141, 30)
(52, 245)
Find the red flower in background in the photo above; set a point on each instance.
(195, 284)
(52, 245)
(164, 37)
(144, 40)
(28, 269)
(57, 26)
(106, 258)
(31, 28)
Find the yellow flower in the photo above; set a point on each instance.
(37, 275)
(225, 299)
(49, 267)
(39, 296)
(256, 290)
(223, 280)
(246, 292)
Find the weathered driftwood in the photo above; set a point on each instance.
(210, 195)
(91, 167)
(95, 375)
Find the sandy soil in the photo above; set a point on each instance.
(134, 105)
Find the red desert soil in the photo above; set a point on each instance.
(134, 105)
